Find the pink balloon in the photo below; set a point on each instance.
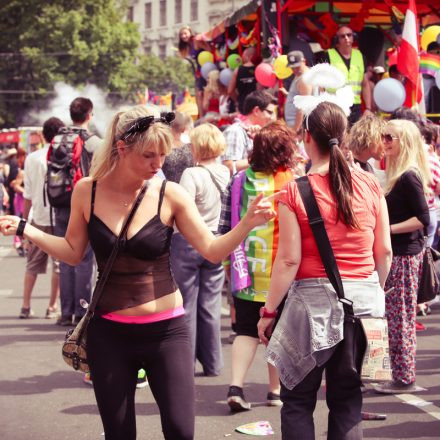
(265, 75)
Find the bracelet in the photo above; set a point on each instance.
(20, 228)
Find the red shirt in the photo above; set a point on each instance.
(353, 248)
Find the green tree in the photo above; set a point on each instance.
(163, 76)
(74, 41)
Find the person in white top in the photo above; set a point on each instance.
(199, 280)
(35, 172)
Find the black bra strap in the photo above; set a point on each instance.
(92, 202)
(162, 192)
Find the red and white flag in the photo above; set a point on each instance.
(408, 55)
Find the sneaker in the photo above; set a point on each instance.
(372, 416)
(87, 379)
(26, 313)
(64, 321)
(396, 387)
(236, 400)
(142, 380)
(52, 313)
(420, 327)
(273, 399)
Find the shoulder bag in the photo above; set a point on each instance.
(429, 285)
(74, 350)
(359, 355)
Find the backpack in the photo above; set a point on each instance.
(67, 162)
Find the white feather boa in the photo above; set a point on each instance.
(325, 76)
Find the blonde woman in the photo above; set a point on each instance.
(213, 92)
(139, 320)
(408, 178)
(201, 281)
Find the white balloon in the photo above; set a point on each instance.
(389, 94)
(437, 78)
(206, 68)
(226, 76)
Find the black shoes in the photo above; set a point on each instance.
(236, 400)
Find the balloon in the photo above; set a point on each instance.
(429, 35)
(281, 69)
(265, 75)
(225, 76)
(437, 78)
(389, 94)
(206, 68)
(205, 57)
(233, 61)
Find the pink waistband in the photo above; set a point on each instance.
(146, 319)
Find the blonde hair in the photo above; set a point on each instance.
(213, 85)
(207, 141)
(366, 132)
(412, 155)
(158, 137)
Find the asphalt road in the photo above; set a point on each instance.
(41, 398)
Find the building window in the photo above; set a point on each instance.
(194, 10)
(162, 50)
(163, 12)
(178, 11)
(148, 15)
(130, 13)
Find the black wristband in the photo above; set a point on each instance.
(20, 229)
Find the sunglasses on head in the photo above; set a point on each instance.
(143, 124)
(388, 137)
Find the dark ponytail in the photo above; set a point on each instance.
(327, 124)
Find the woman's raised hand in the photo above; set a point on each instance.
(9, 224)
(260, 211)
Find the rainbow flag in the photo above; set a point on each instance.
(262, 242)
(429, 63)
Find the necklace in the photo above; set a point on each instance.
(126, 204)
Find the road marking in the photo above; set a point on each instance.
(6, 292)
(423, 405)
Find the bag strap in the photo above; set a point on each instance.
(99, 288)
(214, 180)
(317, 226)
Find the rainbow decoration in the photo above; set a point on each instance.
(429, 63)
(261, 243)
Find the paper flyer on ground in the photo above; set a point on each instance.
(256, 428)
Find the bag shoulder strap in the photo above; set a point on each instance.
(214, 180)
(316, 223)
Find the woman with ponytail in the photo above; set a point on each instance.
(306, 339)
(139, 319)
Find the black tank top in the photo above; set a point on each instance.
(141, 271)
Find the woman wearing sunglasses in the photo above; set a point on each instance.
(408, 179)
(138, 322)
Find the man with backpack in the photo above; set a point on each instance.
(69, 160)
(34, 177)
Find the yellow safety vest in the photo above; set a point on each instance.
(355, 75)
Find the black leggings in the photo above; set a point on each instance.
(117, 351)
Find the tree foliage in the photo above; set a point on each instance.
(76, 42)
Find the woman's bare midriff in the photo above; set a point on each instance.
(166, 302)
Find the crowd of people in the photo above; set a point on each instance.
(221, 211)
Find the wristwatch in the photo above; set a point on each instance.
(264, 313)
